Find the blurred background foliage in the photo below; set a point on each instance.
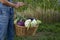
(46, 10)
(46, 4)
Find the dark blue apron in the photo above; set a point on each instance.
(6, 22)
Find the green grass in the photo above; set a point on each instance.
(49, 28)
(44, 32)
(46, 36)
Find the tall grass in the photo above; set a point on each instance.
(46, 10)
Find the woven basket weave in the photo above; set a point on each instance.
(22, 31)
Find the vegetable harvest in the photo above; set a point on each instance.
(27, 23)
(30, 22)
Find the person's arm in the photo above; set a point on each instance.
(5, 2)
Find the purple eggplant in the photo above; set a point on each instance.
(20, 23)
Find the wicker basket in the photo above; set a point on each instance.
(22, 31)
